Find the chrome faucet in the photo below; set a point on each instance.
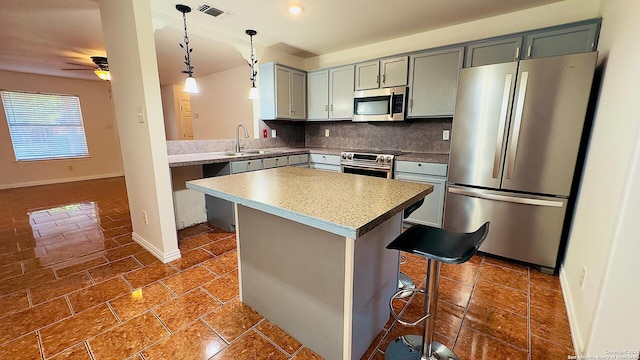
(246, 135)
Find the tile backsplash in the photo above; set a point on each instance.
(411, 135)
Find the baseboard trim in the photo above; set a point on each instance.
(165, 258)
(59, 181)
(576, 339)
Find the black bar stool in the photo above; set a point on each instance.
(438, 246)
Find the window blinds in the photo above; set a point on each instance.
(45, 126)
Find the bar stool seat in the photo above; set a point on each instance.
(438, 246)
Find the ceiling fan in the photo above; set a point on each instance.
(101, 68)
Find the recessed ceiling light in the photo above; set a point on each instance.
(295, 9)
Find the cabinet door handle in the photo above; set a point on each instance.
(410, 103)
(377, 79)
(384, 77)
(517, 52)
(529, 51)
(331, 107)
(326, 107)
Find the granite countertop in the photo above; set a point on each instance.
(344, 204)
(425, 157)
(222, 156)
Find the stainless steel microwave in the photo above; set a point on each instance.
(386, 104)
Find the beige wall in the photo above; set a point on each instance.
(604, 312)
(100, 129)
(222, 104)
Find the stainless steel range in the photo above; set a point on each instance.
(378, 163)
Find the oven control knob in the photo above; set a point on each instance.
(344, 155)
(349, 156)
(388, 159)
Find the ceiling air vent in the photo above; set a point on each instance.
(210, 10)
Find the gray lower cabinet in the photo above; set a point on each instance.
(433, 82)
(431, 212)
(301, 160)
(325, 162)
(220, 212)
(274, 162)
(555, 41)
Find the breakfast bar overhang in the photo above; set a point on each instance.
(311, 251)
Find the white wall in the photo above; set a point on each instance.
(101, 132)
(128, 35)
(222, 104)
(604, 313)
(534, 18)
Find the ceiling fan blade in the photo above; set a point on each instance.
(84, 65)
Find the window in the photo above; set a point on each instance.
(44, 126)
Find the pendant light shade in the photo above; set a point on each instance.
(190, 84)
(254, 93)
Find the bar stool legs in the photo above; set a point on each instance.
(413, 347)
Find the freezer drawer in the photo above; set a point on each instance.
(525, 228)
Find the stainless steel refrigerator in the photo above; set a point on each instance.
(515, 142)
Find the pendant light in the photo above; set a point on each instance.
(190, 85)
(254, 94)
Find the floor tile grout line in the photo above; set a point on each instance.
(255, 328)
(40, 344)
(466, 309)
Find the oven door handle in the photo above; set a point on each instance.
(366, 167)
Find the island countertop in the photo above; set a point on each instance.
(345, 204)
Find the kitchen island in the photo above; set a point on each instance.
(311, 248)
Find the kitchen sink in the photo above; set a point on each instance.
(246, 152)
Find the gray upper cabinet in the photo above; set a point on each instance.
(493, 51)
(318, 95)
(341, 92)
(282, 92)
(367, 75)
(571, 40)
(383, 73)
(330, 93)
(433, 82)
(560, 40)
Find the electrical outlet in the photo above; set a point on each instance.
(145, 218)
(445, 135)
(326, 132)
(140, 115)
(583, 275)
(273, 133)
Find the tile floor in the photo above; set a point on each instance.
(73, 285)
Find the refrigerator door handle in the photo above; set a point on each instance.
(513, 147)
(512, 199)
(503, 120)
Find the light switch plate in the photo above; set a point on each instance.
(326, 133)
(273, 133)
(445, 135)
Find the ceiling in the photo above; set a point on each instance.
(46, 39)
